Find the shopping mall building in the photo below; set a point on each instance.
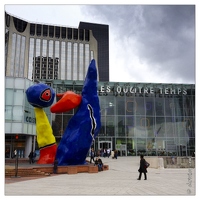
(149, 118)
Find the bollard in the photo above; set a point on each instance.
(16, 164)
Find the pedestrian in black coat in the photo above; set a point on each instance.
(55, 166)
(92, 155)
(31, 157)
(142, 168)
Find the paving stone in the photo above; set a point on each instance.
(120, 179)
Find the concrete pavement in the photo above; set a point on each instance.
(120, 179)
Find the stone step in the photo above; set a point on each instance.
(47, 170)
(23, 172)
(173, 166)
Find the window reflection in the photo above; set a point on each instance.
(13, 54)
(17, 113)
(147, 125)
(69, 60)
(81, 66)
(56, 60)
(17, 56)
(87, 56)
(31, 59)
(18, 97)
(8, 113)
(22, 57)
(75, 61)
(62, 67)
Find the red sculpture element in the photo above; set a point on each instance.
(46, 95)
(47, 154)
(68, 101)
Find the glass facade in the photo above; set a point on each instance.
(20, 128)
(47, 52)
(48, 63)
(153, 119)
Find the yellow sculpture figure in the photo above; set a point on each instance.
(45, 138)
(41, 96)
(45, 135)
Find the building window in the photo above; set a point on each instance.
(7, 17)
(32, 29)
(87, 35)
(81, 34)
(57, 35)
(69, 33)
(62, 63)
(8, 113)
(14, 38)
(69, 61)
(75, 61)
(51, 31)
(20, 25)
(31, 59)
(87, 56)
(17, 113)
(18, 97)
(44, 50)
(81, 63)
(63, 32)
(45, 30)
(22, 57)
(75, 35)
(17, 56)
(39, 29)
(57, 55)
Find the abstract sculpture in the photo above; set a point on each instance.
(40, 96)
(82, 128)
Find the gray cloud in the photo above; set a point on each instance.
(161, 36)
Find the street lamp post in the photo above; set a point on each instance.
(16, 164)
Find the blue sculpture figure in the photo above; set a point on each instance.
(84, 126)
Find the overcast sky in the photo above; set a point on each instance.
(148, 43)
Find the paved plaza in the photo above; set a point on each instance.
(120, 179)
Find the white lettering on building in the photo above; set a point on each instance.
(127, 90)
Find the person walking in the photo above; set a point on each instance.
(115, 153)
(108, 152)
(92, 155)
(142, 168)
(31, 157)
(55, 166)
(112, 154)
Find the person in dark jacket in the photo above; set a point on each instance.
(142, 168)
(92, 155)
(31, 157)
(115, 153)
(98, 162)
(55, 166)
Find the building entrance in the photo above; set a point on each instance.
(105, 145)
(7, 151)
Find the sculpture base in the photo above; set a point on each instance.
(73, 169)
